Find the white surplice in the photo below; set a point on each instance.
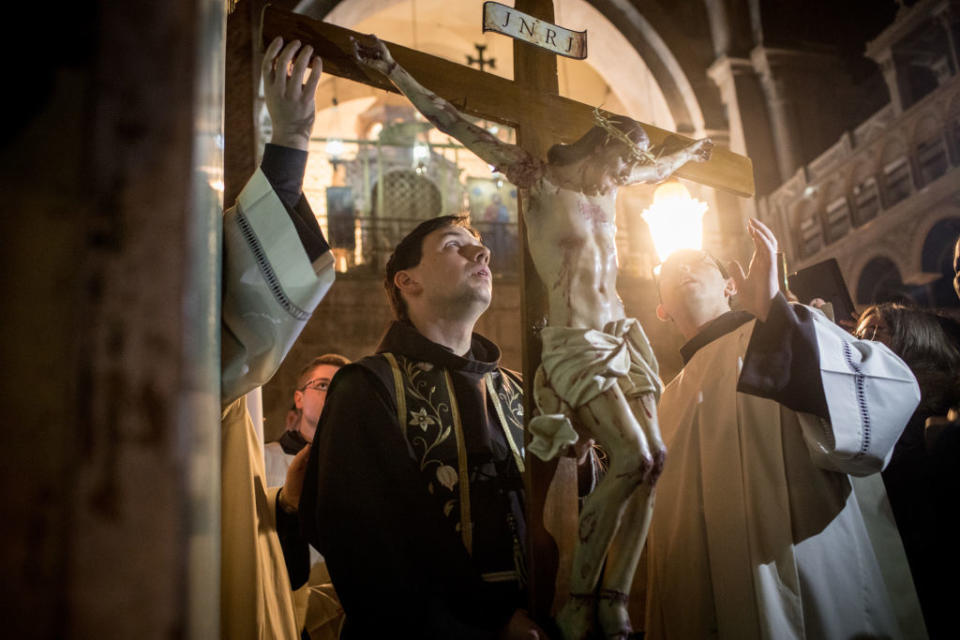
(760, 530)
(270, 290)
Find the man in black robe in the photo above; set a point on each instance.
(414, 490)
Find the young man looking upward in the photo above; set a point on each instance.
(414, 489)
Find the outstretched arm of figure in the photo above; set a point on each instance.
(665, 166)
(518, 165)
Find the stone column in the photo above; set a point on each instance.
(749, 134)
(944, 16)
(111, 401)
(889, 69)
(781, 108)
(747, 116)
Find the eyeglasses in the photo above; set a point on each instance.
(317, 384)
(870, 332)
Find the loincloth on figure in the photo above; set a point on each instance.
(577, 365)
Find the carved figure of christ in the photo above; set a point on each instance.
(568, 206)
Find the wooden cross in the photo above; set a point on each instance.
(480, 61)
(531, 104)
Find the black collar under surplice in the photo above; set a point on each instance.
(716, 328)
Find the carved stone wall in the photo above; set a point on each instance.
(877, 193)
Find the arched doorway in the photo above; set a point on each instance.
(937, 257)
(880, 281)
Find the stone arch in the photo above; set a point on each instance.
(836, 210)
(807, 228)
(929, 148)
(937, 257)
(411, 196)
(864, 191)
(865, 168)
(693, 102)
(880, 281)
(953, 128)
(897, 172)
(894, 149)
(926, 126)
(953, 109)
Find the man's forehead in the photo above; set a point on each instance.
(324, 370)
(442, 233)
(684, 256)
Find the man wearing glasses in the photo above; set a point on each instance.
(317, 608)
(308, 400)
(761, 528)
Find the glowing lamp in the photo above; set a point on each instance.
(421, 152)
(675, 219)
(334, 148)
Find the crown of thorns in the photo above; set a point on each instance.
(613, 131)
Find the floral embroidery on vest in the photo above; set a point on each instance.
(429, 417)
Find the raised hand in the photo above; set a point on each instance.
(290, 99)
(375, 56)
(758, 287)
(293, 485)
(701, 149)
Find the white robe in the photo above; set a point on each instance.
(270, 290)
(758, 530)
(315, 604)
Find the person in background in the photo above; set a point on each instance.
(308, 400)
(315, 601)
(919, 338)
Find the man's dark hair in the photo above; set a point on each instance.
(564, 154)
(409, 251)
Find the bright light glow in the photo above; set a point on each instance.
(675, 219)
(335, 148)
(420, 152)
(375, 130)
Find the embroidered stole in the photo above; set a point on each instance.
(430, 418)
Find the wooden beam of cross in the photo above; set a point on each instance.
(491, 97)
(541, 117)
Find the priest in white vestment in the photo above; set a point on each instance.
(771, 518)
(276, 268)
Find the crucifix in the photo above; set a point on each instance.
(532, 106)
(480, 61)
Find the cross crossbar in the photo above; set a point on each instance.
(488, 96)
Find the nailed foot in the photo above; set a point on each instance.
(576, 616)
